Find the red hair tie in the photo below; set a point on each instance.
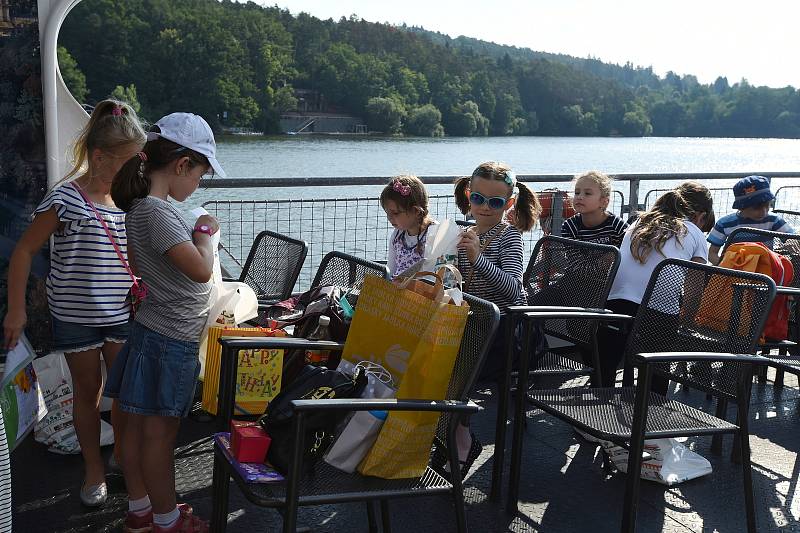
(142, 156)
(117, 111)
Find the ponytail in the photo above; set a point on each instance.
(462, 202)
(133, 179)
(526, 209)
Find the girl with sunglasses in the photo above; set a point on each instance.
(490, 258)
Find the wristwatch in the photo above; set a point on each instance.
(203, 228)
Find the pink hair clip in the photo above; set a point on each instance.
(117, 111)
(404, 190)
(142, 156)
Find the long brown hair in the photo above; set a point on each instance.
(112, 125)
(407, 192)
(665, 219)
(526, 208)
(133, 179)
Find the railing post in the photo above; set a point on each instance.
(557, 210)
(633, 198)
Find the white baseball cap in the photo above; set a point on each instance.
(191, 131)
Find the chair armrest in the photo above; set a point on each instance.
(565, 308)
(287, 343)
(668, 357)
(227, 278)
(357, 404)
(787, 291)
(579, 315)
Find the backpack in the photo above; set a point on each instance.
(715, 308)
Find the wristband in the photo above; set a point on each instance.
(203, 228)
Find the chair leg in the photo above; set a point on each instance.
(498, 461)
(632, 484)
(386, 517)
(518, 435)
(747, 477)
(778, 377)
(219, 494)
(716, 440)
(371, 520)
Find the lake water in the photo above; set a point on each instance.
(303, 156)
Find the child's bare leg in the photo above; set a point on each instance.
(158, 461)
(86, 382)
(131, 456)
(118, 418)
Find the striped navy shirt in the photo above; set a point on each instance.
(498, 270)
(728, 223)
(87, 283)
(610, 231)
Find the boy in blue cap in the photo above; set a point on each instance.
(752, 199)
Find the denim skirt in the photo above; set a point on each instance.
(154, 374)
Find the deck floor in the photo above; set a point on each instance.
(564, 488)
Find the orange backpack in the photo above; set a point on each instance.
(715, 308)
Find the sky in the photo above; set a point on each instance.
(707, 38)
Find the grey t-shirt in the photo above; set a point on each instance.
(175, 305)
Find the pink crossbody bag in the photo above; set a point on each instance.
(138, 291)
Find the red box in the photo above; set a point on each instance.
(249, 442)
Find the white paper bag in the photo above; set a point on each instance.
(56, 430)
(670, 461)
(442, 247)
(361, 430)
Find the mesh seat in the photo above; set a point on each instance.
(560, 273)
(273, 266)
(697, 325)
(788, 245)
(329, 485)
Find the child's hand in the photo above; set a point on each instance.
(13, 325)
(209, 221)
(471, 244)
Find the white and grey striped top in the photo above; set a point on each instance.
(175, 306)
(87, 283)
(499, 268)
(5, 480)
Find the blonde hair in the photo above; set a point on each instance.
(112, 125)
(665, 219)
(526, 208)
(603, 181)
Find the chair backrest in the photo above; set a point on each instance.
(690, 307)
(567, 272)
(345, 270)
(482, 323)
(786, 244)
(273, 265)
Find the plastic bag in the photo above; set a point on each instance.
(670, 461)
(442, 249)
(361, 430)
(56, 430)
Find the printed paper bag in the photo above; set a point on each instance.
(258, 373)
(416, 340)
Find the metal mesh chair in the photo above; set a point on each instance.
(568, 275)
(787, 244)
(345, 270)
(673, 337)
(273, 266)
(328, 485)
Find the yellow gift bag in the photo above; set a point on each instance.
(417, 341)
(258, 374)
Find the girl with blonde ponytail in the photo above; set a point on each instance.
(88, 283)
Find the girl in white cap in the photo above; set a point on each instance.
(154, 376)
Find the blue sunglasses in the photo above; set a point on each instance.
(495, 202)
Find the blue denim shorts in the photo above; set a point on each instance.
(71, 337)
(154, 374)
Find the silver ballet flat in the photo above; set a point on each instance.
(94, 496)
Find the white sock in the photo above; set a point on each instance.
(167, 519)
(141, 506)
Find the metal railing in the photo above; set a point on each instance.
(358, 225)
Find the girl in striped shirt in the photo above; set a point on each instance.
(88, 284)
(490, 258)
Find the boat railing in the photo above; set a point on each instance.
(358, 225)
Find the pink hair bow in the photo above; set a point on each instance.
(404, 190)
(117, 111)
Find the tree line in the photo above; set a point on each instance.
(238, 65)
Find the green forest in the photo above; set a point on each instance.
(242, 65)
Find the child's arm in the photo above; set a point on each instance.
(19, 268)
(391, 255)
(195, 258)
(507, 278)
(713, 255)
